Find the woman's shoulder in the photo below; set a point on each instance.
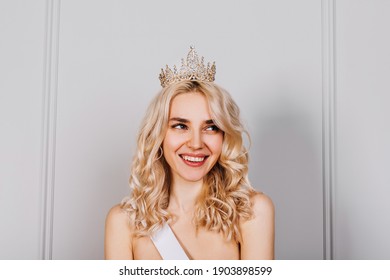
(119, 219)
(118, 234)
(117, 214)
(261, 204)
(258, 231)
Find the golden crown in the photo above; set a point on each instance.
(191, 69)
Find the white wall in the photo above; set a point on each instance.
(361, 223)
(88, 69)
(22, 35)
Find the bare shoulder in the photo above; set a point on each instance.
(118, 235)
(117, 216)
(258, 232)
(261, 205)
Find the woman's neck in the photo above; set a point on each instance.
(183, 195)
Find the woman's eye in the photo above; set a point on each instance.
(212, 128)
(179, 126)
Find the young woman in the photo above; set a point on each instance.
(191, 198)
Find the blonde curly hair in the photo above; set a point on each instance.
(225, 198)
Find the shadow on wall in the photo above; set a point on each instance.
(286, 153)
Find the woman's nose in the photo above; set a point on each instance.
(195, 141)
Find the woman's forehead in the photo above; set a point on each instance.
(192, 105)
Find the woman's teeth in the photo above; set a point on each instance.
(194, 159)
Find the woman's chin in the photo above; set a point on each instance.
(192, 178)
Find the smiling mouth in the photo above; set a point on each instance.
(194, 161)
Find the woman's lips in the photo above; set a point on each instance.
(194, 160)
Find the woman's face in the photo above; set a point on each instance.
(193, 143)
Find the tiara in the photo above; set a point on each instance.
(191, 69)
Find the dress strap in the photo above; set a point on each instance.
(167, 244)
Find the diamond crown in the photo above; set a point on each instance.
(191, 69)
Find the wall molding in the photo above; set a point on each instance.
(328, 124)
(49, 122)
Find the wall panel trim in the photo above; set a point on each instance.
(49, 118)
(328, 123)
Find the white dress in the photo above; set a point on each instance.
(167, 244)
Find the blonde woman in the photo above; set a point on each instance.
(191, 198)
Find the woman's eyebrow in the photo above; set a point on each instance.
(179, 120)
(187, 121)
